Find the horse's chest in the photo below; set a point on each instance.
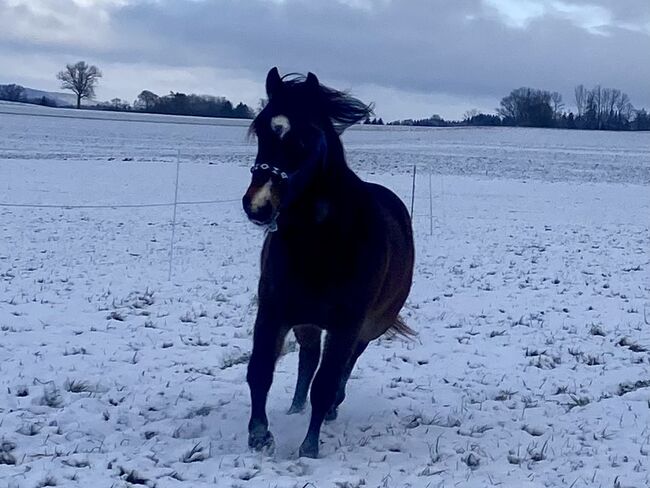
(314, 263)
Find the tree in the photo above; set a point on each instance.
(581, 99)
(46, 102)
(603, 108)
(527, 107)
(120, 105)
(641, 120)
(596, 105)
(81, 79)
(242, 111)
(12, 93)
(558, 104)
(471, 114)
(146, 101)
(475, 117)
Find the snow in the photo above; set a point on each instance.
(531, 367)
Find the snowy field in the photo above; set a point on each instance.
(531, 300)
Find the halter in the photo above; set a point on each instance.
(296, 180)
(273, 169)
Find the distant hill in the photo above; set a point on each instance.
(61, 99)
(30, 95)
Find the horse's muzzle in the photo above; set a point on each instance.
(258, 214)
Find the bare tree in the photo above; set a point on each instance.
(557, 104)
(470, 114)
(81, 79)
(597, 100)
(624, 107)
(581, 99)
(262, 103)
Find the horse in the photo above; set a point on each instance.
(338, 253)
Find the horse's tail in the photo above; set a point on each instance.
(400, 328)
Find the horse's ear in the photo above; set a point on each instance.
(312, 81)
(273, 82)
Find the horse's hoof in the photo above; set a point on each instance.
(309, 451)
(332, 414)
(296, 409)
(262, 442)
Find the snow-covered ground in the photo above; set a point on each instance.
(531, 367)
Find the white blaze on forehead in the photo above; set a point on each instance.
(262, 197)
(280, 125)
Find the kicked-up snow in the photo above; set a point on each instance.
(531, 300)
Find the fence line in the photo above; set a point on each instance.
(176, 203)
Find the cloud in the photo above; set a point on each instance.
(595, 16)
(421, 51)
(58, 22)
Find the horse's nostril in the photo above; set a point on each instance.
(259, 214)
(263, 214)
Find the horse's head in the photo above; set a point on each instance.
(295, 131)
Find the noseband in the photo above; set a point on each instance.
(277, 172)
(296, 181)
(308, 167)
(273, 169)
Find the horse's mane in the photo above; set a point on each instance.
(341, 108)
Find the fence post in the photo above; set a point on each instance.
(413, 191)
(442, 199)
(171, 246)
(430, 203)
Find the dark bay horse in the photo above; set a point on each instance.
(338, 255)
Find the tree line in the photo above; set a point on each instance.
(596, 109)
(182, 104)
(82, 79)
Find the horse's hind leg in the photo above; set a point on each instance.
(340, 393)
(309, 339)
(339, 348)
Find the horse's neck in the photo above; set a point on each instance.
(331, 200)
(333, 194)
(338, 179)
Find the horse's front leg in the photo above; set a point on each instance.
(337, 353)
(268, 338)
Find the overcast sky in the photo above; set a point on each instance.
(413, 58)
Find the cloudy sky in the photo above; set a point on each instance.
(413, 58)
